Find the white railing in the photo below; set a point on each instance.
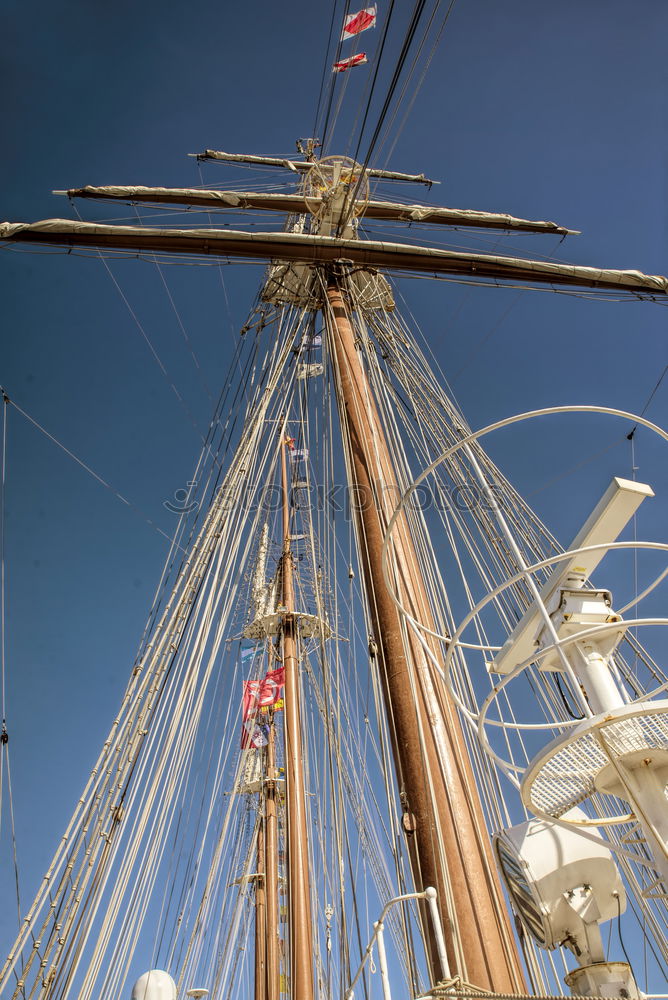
(378, 937)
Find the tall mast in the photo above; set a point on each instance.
(260, 911)
(448, 843)
(267, 959)
(271, 869)
(446, 837)
(301, 954)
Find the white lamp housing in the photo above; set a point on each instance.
(562, 884)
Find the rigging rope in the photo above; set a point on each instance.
(128, 503)
(5, 765)
(3, 486)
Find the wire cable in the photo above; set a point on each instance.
(103, 482)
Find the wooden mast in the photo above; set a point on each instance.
(273, 971)
(299, 900)
(260, 913)
(443, 819)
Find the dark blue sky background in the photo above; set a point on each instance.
(544, 110)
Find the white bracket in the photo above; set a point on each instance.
(608, 518)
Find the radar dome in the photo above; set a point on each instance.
(154, 985)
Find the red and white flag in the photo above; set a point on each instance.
(258, 695)
(262, 693)
(355, 23)
(340, 67)
(270, 687)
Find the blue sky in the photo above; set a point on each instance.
(554, 111)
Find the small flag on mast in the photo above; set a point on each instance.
(340, 67)
(254, 736)
(262, 693)
(258, 696)
(270, 689)
(311, 340)
(356, 23)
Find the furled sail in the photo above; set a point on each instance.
(324, 249)
(274, 161)
(297, 203)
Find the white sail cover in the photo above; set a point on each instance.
(297, 203)
(323, 249)
(295, 165)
